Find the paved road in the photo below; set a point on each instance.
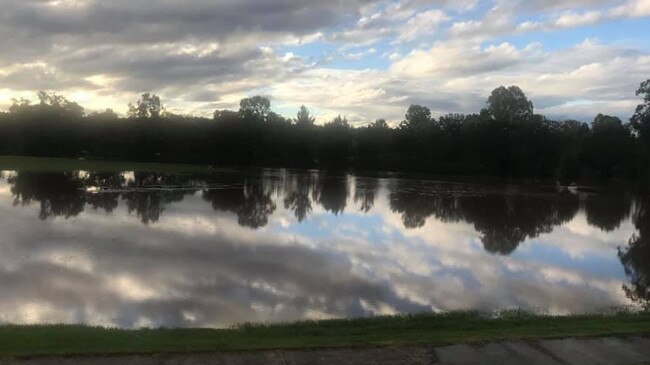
(609, 350)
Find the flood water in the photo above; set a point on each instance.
(137, 249)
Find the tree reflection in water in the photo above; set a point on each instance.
(58, 193)
(502, 218)
(365, 191)
(106, 187)
(150, 193)
(331, 192)
(298, 188)
(636, 256)
(252, 203)
(607, 211)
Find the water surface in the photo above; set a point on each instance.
(139, 249)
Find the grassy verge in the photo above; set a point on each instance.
(462, 327)
(22, 163)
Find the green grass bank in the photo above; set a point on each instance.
(23, 163)
(435, 329)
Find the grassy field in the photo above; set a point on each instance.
(22, 163)
(438, 329)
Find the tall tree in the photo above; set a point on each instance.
(641, 118)
(509, 104)
(148, 107)
(255, 108)
(608, 144)
(417, 117)
(304, 118)
(379, 124)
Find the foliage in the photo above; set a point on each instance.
(509, 104)
(505, 139)
(256, 108)
(641, 117)
(148, 107)
(304, 118)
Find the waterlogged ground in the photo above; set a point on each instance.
(139, 249)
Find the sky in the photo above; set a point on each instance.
(364, 59)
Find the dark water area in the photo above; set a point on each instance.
(137, 249)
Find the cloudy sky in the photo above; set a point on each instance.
(365, 59)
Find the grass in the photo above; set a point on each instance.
(434, 329)
(23, 163)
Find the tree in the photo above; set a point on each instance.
(148, 107)
(19, 105)
(509, 104)
(224, 115)
(416, 117)
(452, 124)
(379, 124)
(50, 105)
(255, 108)
(304, 118)
(108, 114)
(641, 118)
(338, 122)
(608, 144)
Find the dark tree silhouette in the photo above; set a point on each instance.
(417, 117)
(379, 124)
(506, 139)
(303, 118)
(148, 107)
(608, 145)
(256, 108)
(641, 117)
(509, 104)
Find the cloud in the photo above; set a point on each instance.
(422, 23)
(570, 19)
(632, 9)
(576, 82)
(458, 59)
(204, 55)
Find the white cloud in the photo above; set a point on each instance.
(633, 9)
(455, 59)
(571, 19)
(421, 25)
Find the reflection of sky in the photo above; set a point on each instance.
(198, 267)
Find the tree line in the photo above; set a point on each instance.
(505, 139)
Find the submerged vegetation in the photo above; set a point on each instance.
(505, 139)
(433, 329)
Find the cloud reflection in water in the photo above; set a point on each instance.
(140, 249)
